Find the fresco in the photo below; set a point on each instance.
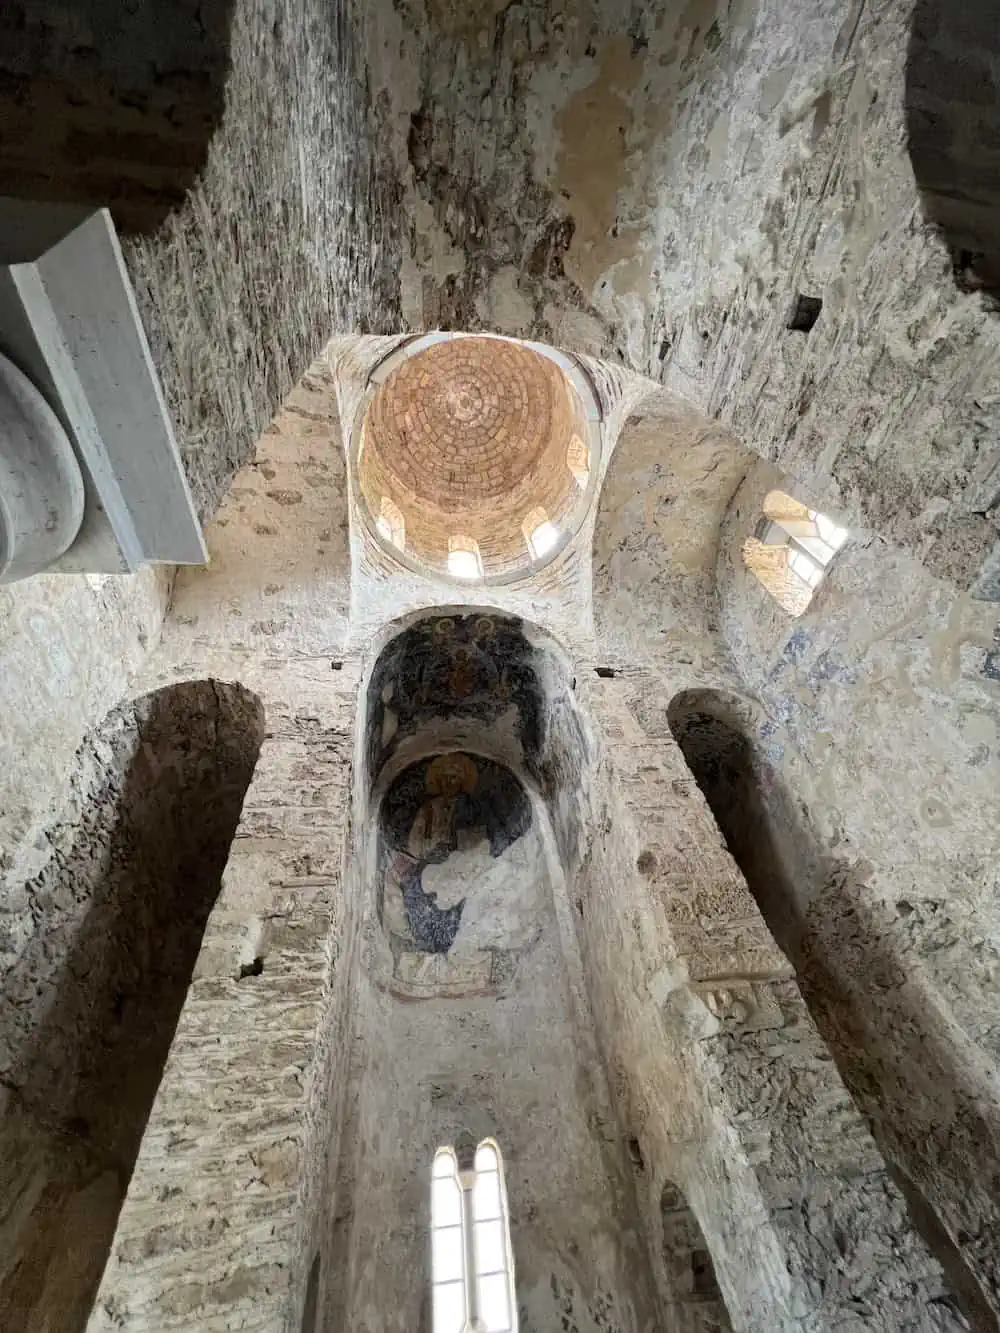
(458, 875)
(477, 666)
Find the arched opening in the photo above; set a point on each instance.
(810, 902)
(472, 1264)
(466, 997)
(691, 1279)
(953, 123)
(112, 105)
(94, 984)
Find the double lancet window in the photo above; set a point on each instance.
(791, 550)
(472, 1266)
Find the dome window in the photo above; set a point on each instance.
(391, 524)
(464, 560)
(540, 533)
(578, 461)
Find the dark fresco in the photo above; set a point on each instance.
(424, 816)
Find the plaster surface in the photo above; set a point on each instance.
(623, 1011)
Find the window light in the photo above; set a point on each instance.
(792, 550)
(476, 1244)
(806, 567)
(578, 461)
(543, 539)
(464, 561)
(390, 524)
(831, 532)
(449, 1287)
(541, 534)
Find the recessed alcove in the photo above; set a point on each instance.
(470, 1005)
(797, 883)
(952, 123)
(90, 1001)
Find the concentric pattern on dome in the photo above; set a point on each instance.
(467, 419)
(466, 438)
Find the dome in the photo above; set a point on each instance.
(475, 458)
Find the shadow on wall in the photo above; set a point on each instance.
(693, 1286)
(953, 121)
(91, 1003)
(886, 1046)
(109, 104)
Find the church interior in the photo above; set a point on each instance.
(500, 666)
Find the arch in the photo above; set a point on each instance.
(810, 900)
(659, 514)
(953, 127)
(116, 108)
(92, 997)
(462, 667)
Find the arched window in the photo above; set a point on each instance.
(540, 533)
(391, 524)
(578, 461)
(472, 1265)
(791, 549)
(464, 560)
(449, 1275)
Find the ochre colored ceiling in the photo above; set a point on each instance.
(469, 438)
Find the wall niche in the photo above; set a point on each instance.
(95, 960)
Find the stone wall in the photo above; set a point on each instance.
(69, 644)
(232, 1163)
(669, 180)
(237, 151)
(98, 952)
(875, 768)
(719, 1073)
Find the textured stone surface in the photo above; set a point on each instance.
(757, 1129)
(658, 183)
(643, 1026)
(233, 316)
(469, 438)
(98, 950)
(69, 646)
(878, 771)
